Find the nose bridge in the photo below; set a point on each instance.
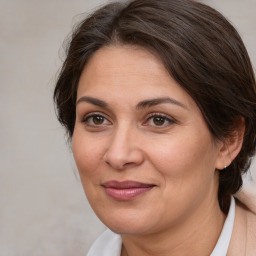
(121, 137)
(123, 149)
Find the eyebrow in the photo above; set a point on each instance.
(142, 104)
(153, 102)
(93, 101)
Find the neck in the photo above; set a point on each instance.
(197, 235)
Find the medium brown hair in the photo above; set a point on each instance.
(200, 49)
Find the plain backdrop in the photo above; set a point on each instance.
(43, 210)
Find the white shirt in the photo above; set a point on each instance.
(110, 244)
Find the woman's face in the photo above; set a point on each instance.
(143, 150)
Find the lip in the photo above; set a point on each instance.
(126, 190)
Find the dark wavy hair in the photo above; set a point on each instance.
(200, 49)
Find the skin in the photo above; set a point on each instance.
(117, 138)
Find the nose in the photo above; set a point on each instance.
(124, 150)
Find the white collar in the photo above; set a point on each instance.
(110, 244)
(107, 244)
(221, 247)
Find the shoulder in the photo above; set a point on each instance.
(244, 232)
(107, 244)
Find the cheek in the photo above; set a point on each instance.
(185, 157)
(87, 154)
(187, 170)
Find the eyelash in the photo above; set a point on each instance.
(165, 118)
(87, 118)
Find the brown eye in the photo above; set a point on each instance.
(98, 120)
(159, 120)
(95, 120)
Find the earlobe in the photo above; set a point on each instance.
(231, 146)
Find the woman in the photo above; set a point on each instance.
(158, 98)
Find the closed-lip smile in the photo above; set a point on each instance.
(126, 190)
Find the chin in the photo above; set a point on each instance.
(134, 229)
(127, 223)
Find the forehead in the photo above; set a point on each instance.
(128, 72)
(126, 59)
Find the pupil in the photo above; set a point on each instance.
(98, 119)
(159, 120)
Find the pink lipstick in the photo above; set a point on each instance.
(126, 190)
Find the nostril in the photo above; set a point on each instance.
(128, 164)
(123, 154)
(120, 163)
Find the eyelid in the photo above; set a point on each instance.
(170, 119)
(153, 114)
(92, 114)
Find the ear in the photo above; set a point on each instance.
(231, 146)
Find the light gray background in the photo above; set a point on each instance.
(43, 210)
